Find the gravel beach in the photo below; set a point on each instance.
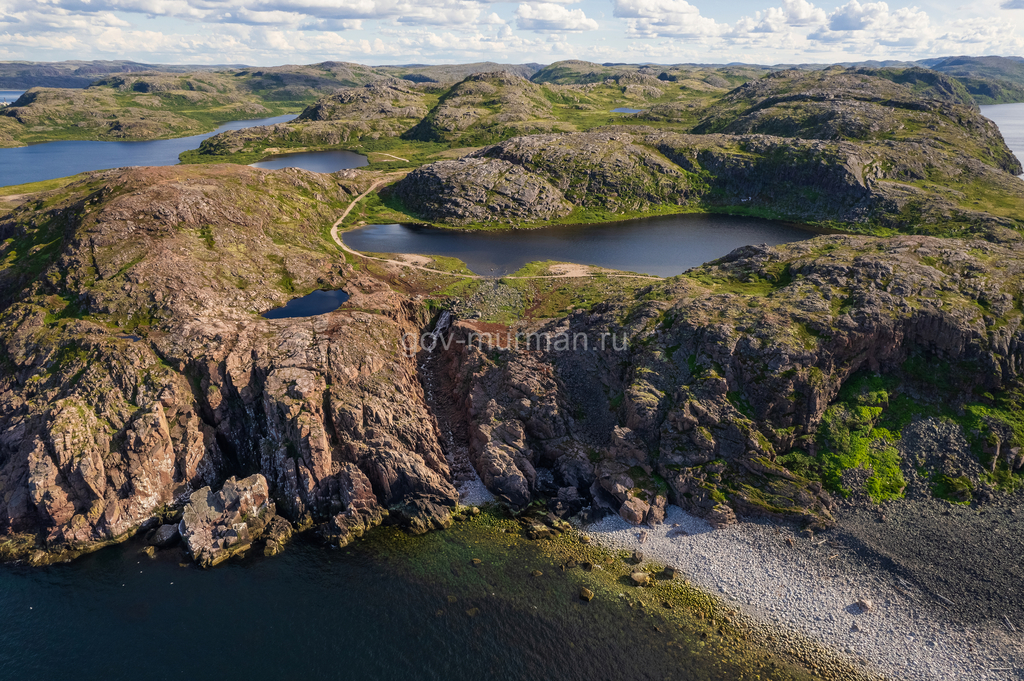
(812, 585)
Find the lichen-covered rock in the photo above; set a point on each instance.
(99, 427)
(480, 190)
(630, 169)
(217, 525)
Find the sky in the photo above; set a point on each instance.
(273, 32)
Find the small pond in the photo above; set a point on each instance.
(317, 302)
(315, 161)
(664, 245)
(626, 110)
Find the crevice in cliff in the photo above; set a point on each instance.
(442, 399)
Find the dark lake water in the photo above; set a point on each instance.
(59, 159)
(1010, 119)
(665, 245)
(317, 302)
(390, 607)
(626, 110)
(315, 161)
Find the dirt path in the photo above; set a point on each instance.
(381, 153)
(565, 271)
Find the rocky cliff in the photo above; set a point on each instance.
(765, 383)
(137, 377)
(135, 369)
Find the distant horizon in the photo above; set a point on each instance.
(379, 32)
(510, 63)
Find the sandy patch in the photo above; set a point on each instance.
(568, 269)
(412, 259)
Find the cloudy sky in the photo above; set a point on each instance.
(268, 32)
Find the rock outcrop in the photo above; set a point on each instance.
(629, 170)
(717, 389)
(216, 526)
(135, 369)
(383, 108)
(487, 107)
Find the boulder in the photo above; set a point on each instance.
(165, 536)
(721, 516)
(634, 510)
(215, 526)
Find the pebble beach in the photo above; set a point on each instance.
(819, 589)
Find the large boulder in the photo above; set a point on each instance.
(217, 525)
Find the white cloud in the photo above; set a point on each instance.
(399, 31)
(547, 16)
(669, 18)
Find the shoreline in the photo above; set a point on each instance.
(812, 587)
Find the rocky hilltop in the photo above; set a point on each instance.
(630, 170)
(136, 370)
(382, 108)
(901, 105)
(486, 107)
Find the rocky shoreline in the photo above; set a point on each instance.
(824, 588)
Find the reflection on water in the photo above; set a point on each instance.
(390, 607)
(59, 159)
(1010, 119)
(315, 161)
(664, 245)
(317, 302)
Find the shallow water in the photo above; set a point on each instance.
(1010, 119)
(626, 110)
(664, 246)
(315, 303)
(315, 161)
(59, 159)
(390, 607)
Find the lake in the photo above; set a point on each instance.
(10, 96)
(315, 161)
(51, 160)
(1010, 119)
(665, 245)
(391, 607)
(626, 110)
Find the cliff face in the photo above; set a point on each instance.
(136, 368)
(137, 374)
(710, 389)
